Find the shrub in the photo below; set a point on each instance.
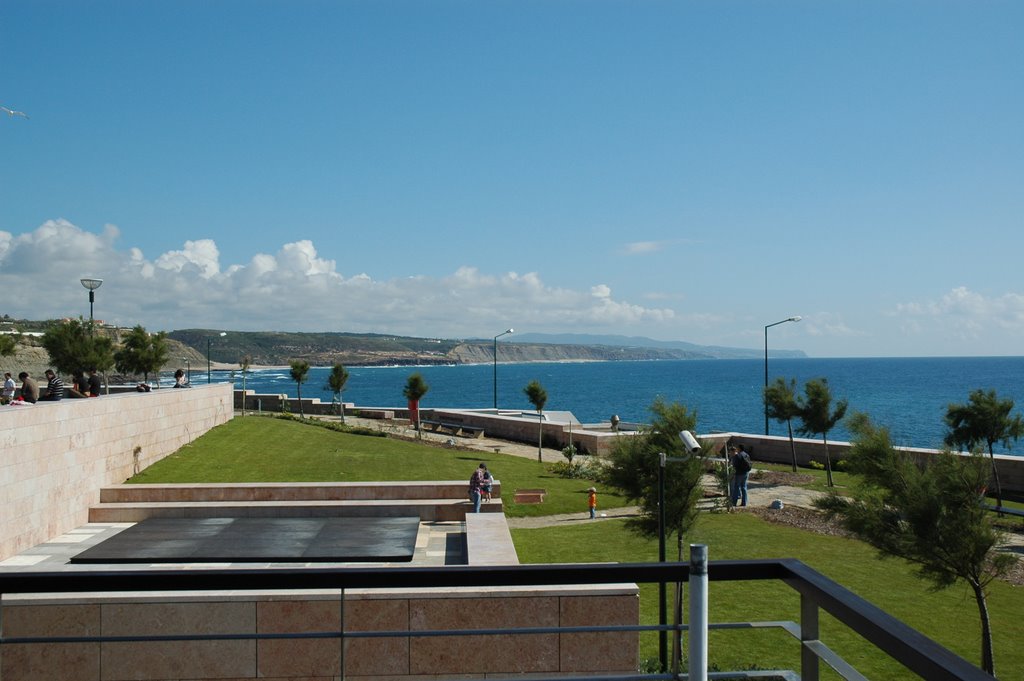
(569, 452)
(816, 465)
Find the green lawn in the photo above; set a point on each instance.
(950, 617)
(267, 449)
(261, 449)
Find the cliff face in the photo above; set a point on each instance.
(477, 353)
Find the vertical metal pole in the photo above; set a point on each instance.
(765, 379)
(208, 341)
(662, 614)
(698, 612)
(809, 670)
(341, 637)
(495, 374)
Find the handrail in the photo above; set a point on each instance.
(914, 650)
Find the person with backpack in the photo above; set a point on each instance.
(741, 466)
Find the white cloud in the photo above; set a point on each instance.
(294, 289)
(963, 312)
(645, 247)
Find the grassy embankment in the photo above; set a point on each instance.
(263, 449)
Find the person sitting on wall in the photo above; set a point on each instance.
(29, 389)
(180, 380)
(79, 385)
(54, 387)
(95, 384)
(9, 388)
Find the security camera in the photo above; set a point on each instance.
(689, 441)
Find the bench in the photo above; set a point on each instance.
(459, 429)
(1004, 510)
(529, 496)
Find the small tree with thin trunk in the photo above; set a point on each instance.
(927, 511)
(538, 397)
(415, 388)
(985, 418)
(299, 372)
(336, 383)
(818, 417)
(780, 401)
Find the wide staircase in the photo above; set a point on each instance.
(445, 500)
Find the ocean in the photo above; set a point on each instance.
(907, 395)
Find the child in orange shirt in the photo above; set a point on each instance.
(592, 502)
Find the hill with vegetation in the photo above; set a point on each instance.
(277, 348)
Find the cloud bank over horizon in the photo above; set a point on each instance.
(294, 289)
(298, 289)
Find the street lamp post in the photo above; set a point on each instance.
(768, 326)
(188, 370)
(503, 333)
(209, 339)
(92, 285)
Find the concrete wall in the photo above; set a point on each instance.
(777, 450)
(55, 456)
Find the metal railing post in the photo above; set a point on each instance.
(809, 669)
(341, 636)
(698, 612)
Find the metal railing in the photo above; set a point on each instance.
(913, 650)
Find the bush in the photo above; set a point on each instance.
(816, 465)
(580, 469)
(569, 452)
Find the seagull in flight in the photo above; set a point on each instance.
(12, 112)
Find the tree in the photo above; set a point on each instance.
(538, 397)
(141, 352)
(414, 390)
(985, 418)
(780, 401)
(72, 347)
(927, 511)
(817, 415)
(299, 371)
(336, 382)
(634, 471)
(244, 365)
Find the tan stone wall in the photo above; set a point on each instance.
(408, 657)
(55, 456)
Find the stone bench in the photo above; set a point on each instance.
(529, 496)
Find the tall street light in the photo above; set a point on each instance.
(768, 326)
(503, 333)
(209, 339)
(92, 285)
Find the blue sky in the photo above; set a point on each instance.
(680, 170)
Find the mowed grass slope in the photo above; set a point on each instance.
(267, 449)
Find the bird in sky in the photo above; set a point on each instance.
(12, 112)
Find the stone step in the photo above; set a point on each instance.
(289, 491)
(426, 509)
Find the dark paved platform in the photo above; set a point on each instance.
(273, 540)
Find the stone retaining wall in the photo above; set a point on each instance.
(57, 455)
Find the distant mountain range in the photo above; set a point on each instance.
(715, 351)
